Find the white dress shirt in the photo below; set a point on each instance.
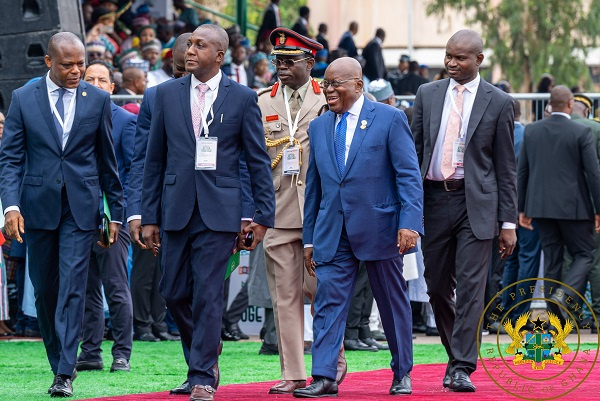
(435, 167)
(239, 70)
(210, 96)
(558, 113)
(351, 122)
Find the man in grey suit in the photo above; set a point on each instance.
(463, 129)
(559, 187)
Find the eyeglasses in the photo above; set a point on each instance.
(288, 62)
(335, 84)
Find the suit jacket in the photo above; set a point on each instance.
(321, 39)
(490, 167)
(379, 193)
(289, 195)
(347, 43)
(559, 176)
(409, 83)
(169, 168)
(124, 139)
(34, 167)
(300, 27)
(375, 66)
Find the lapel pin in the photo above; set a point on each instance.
(84, 94)
(363, 124)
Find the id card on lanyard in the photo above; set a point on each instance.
(206, 146)
(62, 123)
(291, 155)
(459, 145)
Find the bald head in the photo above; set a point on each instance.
(561, 99)
(216, 34)
(344, 84)
(61, 40)
(346, 65)
(65, 59)
(469, 39)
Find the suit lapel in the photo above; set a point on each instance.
(223, 91)
(482, 100)
(80, 108)
(44, 105)
(186, 107)
(330, 131)
(437, 108)
(366, 114)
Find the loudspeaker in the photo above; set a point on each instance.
(6, 89)
(21, 16)
(22, 55)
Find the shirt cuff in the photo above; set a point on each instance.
(118, 222)
(308, 246)
(508, 226)
(246, 218)
(11, 208)
(134, 217)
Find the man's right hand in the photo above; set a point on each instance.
(151, 234)
(14, 225)
(309, 263)
(135, 231)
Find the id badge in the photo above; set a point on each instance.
(206, 153)
(458, 153)
(291, 161)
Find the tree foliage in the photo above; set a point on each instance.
(532, 37)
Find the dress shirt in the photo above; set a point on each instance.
(351, 122)
(241, 71)
(378, 40)
(211, 94)
(301, 91)
(435, 168)
(53, 98)
(558, 113)
(276, 9)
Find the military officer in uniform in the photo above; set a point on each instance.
(287, 109)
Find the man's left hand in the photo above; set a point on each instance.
(407, 240)
(113, 233)
(506, 242)
(259, 233)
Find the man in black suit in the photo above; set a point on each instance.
(347, 40)
(411, 82)
(559, 187)
(463, 129)
(373, 55)
(321, 36)
(271, 20)
(301, 25)
(57, 155)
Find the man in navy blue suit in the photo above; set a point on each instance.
(363, 202)
(192, 194)
(57, 155)
(108, 267)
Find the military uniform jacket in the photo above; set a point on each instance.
(289, 191)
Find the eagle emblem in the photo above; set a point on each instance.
(282, 38)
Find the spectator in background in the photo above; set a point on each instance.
(372, 53)
(151, 53)
(165, 72)
(544, 86)
(504, 86)
(443, 74)
(96, 50)
(164, 33)
(103, 28)
(382, 92)
(301, 25)
(321, 36)
(146, 34)
(134, 83)
(409, 84)
(424, 71)
(396, 75)
(321, 64)
(347, 40)
(187, 15)
(271, 20)
(237, 71)
(262, 76)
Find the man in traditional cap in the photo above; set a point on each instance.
(287, 108)
(383, 92)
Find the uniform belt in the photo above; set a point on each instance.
(448, 185)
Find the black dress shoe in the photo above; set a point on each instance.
(120, 364)
(32, 333)
(357, 345)
(148, 337)
(320, 387)
(183, 389)
(235, 330)
(461, 383)
(62, 386)
(89, 365)
(73, 377)
(226, 335)
(165, 336)
(379, 335)
(268, 349)
(373, 343)
(403, 386)
(419, 328)
(432, 332)
(447, 375)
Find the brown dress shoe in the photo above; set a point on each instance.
(202, 393)
(342, 367)
(287, 386)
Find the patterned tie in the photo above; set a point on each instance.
(198, 108)
(452, 131)
(294, 104)
(340, 143)
(60, 108)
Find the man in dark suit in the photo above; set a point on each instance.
(559, 188)
(301, 24)
(271, 20)
(363, 201)
(57, 155)
(202, 124)
(463, 129)
(321, 36)
(108, 267)
(347, 40)
(411, 82)
(373, 55)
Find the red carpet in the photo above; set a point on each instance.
(374, 385)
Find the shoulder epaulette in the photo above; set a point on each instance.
(316, 87)
(274, 89)
(263, 91)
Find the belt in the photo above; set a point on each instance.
(448, 185)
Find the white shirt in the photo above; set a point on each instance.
(558, 113)
(157, 77)
(53, 98)
(351, 122)
(276, 9)
(241, 71)
(435, 167)
(210, 96)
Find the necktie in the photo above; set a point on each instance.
(452, 131)
(198, 108)
(340, 143)
(237, 74)
(60, 108)
(294, 104)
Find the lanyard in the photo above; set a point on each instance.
(455, 108)
(205, 124)
(62, 123)
(293, 126)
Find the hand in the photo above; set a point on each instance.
(113, 233)
(506, 242)
(525, 221)
(151, 234)
(14, 225)
(597, 222)
(407, 240)
(240, 239)
(135, 231)
(309, 263)
(259, 233)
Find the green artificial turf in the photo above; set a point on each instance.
(25, 373)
